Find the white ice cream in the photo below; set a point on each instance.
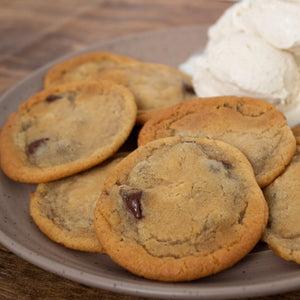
(253, 50)
(243, 65)
(276, 21)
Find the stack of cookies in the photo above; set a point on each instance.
(208, 179)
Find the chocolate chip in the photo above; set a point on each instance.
(188, 88)
(33, 146)
(52, 98)
(132, 197)
(226, 165)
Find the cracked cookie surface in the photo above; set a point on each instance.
(254, 126)
(283, 197)
(64, 209)
(180, 209)
(154, 86)
(83, 67)
(66, 129)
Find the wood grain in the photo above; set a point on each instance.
(34, 33)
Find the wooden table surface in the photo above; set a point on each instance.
(35, 32)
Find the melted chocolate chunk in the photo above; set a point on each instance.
(226, 165)
(133, 201)
(188, 88)
(52, 98)
(33, 146)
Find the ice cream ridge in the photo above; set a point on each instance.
(253, 50)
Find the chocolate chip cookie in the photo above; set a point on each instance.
(254, 126)
(66, 129)
(180, 209)
(154, 86)
(296, 132)
(83, 67)
(283, 197)
(64, 209)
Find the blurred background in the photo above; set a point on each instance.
(35, 32)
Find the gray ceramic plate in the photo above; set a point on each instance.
(260, 273)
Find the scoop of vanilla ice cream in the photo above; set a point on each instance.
(246, 65)
(276, 21)
(232, 21)
(253, 50)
